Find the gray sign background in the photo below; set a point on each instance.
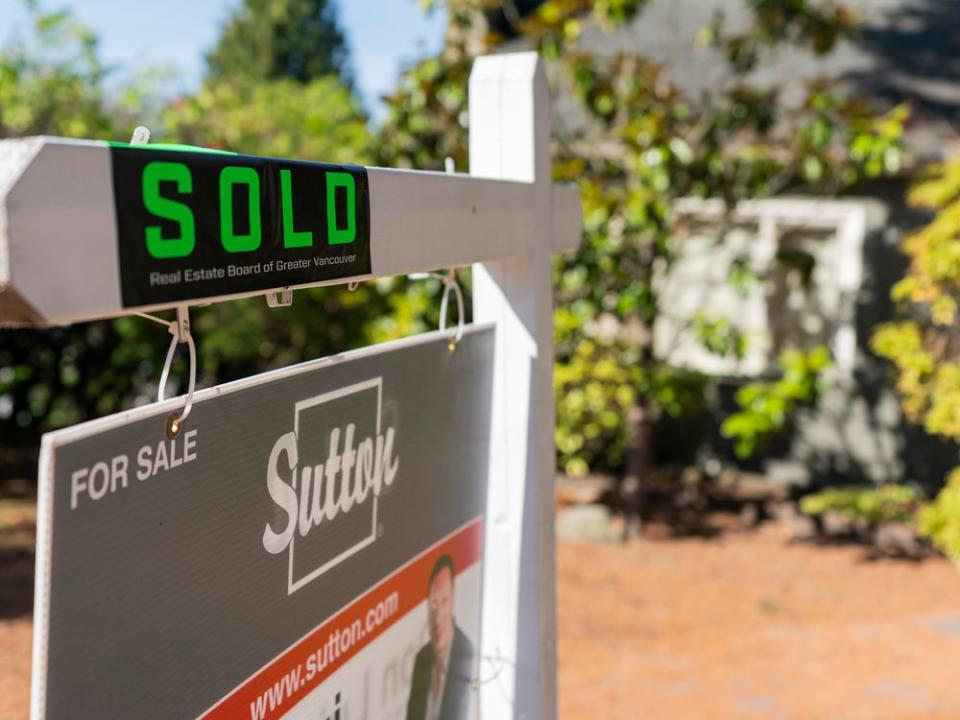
(161, 598)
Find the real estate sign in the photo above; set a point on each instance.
(194, 223)
(308, 546)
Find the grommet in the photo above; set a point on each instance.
(174, 424)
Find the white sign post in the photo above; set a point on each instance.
(510, 140)
(65, 246)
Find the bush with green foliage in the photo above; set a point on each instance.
(595, 390)
(939, 521)
(299, 40)
(872, 506)
(52, 82)
(316, 120)
(765, 407)
(923, 345)
(641, 144)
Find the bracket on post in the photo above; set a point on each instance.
(141, 135)
(182, 324)
(280, 298)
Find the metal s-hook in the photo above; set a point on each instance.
(450, 284)
(180, 330)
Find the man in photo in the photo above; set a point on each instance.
(443, 669)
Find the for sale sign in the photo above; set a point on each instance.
(309, 546)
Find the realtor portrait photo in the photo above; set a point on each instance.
(443, 669)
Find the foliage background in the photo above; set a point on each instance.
(922, 344)
(640, 145)
(279, 83)
(289, 99)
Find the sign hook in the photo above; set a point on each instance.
(281, 298)
(180, 330)
(141, 135)
(450, 284)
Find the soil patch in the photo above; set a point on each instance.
(748, 625)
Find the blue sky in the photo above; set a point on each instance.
(383, 34)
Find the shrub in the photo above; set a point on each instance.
(939, 520)
(766, 406)
(872, 505)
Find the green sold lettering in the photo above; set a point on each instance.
(291, 237)
(340, 230)
(181, 245)
(336, 235)
(231, 241)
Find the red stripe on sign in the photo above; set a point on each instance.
(298, 670)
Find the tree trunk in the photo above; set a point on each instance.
(637, 466)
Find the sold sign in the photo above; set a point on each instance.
(206, 224)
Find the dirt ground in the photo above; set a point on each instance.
(741, 625)
(746, 625)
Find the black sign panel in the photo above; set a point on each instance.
(203, 224)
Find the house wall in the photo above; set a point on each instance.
(856, 433)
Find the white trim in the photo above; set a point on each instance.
(509, 139)
(846, 217)
(41, 594)
(15, 156)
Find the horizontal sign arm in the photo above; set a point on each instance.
(427, 221)
(92, 230)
